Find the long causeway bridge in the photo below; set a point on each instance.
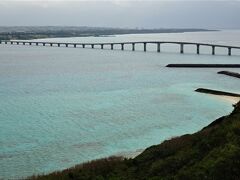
(122, 44)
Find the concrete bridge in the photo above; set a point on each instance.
(122, 44)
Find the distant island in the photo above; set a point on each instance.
(41, 32)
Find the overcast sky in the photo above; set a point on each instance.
(211, 14)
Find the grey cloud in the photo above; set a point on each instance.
(148, 14)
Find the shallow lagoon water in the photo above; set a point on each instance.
(64, 106)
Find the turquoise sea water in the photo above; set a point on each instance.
(64, 106)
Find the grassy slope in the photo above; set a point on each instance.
(212, 153)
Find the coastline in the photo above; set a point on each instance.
(133, 154)
(129, 155)
(191, 156)
(228, 99)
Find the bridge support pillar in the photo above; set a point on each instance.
(92, 46)
(145, 47)
(111, 46)
(43, 44)
(75, 45)
(11, 42)
(5, 42)
(229, 51)
(36, 44)
(198, 48)
(158, 47)
(66, 45)
(101, 46)
(30, 43)
(17, 43)
(213, 50)
(51, 44)
(83, 46)
(122, 47)
(181, 48)
(58, 45)
(23, 43)
(133, 46)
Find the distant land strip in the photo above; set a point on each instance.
(229, 73)
(41, 32)
(216, 92)
(203, 65)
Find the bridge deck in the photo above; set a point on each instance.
(133, 43)
(130, 42)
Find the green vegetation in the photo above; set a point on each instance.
(40, 32)
(212, 153)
